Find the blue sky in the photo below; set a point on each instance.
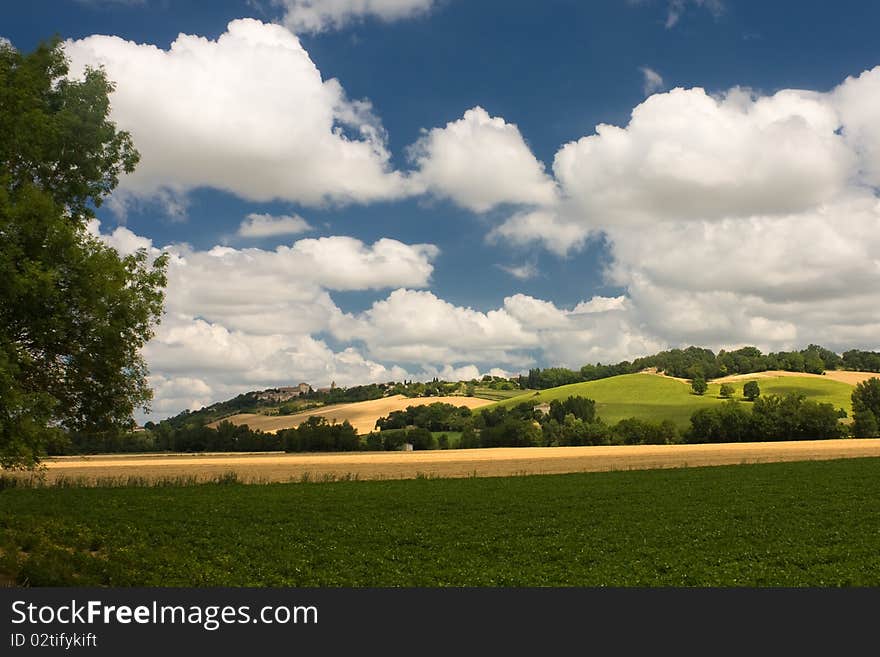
(699, 222)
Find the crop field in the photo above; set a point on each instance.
(783, 524)
(490, 462)
(656, 398)
(842, 376)
(362, 415)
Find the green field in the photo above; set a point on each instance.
(659, 398)
(499, 395)
(454, 437)
(786, 524)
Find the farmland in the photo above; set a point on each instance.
(362, 415)
(644, 396)
(486, 462)
(783, 524)
(656, 398)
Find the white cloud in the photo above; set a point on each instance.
(248, 113)
(320, 15)
(535, 313)
(244, 319)
(676, 8)
(283, 291)
(171, 395)
(345, 263)
(121, 239)
(544, 226)
(418, 327)
(652, 80)
(857, 100)
(688, 155)
(266, 225)
(770, 280)
(522, 272)
(601, 304)
(480, 161)
(731, 219)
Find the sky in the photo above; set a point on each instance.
(371, 190)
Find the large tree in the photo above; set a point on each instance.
(866, 408)
(74, 314)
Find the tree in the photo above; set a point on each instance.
(866, 408)
(751, 390)
(73, 312)
(865, 425)
(699, 386)
(726, 391)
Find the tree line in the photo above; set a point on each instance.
(568, 422)
(701, 363)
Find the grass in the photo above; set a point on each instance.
(454, 437)
(658, 398)
(785, 524)
(499, 395)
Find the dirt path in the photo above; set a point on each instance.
(362, 415)
(454, 463)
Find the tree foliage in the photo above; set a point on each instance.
(866, 408)
(73, 312)
(787, 417)
(751, 390)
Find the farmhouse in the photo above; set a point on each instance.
(543, 408)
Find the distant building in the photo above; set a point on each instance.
(544, 408)
(284, 393)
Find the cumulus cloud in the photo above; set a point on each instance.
(243, 319)
(285, 291)
(600, 304)
(417, 327)
(248, 113)
(856, 101)
(239, 319)
(734, 218)
(688, 155)
(414, 326)
(545, 226)
(266, 225)
(480, 161)
(321, 15)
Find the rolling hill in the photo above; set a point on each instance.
(362, 415)
(654, 397)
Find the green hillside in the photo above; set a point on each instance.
(657, 398)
